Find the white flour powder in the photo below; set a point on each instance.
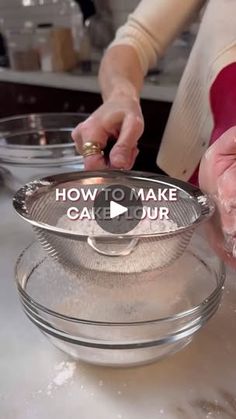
(65, 372)
(90, 227)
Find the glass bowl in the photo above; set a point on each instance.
(121, 319)
(37, 145)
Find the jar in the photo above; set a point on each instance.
(43, 34)
(85, 51)
(23, 54)
(56, 48)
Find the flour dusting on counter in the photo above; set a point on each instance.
(65, 372)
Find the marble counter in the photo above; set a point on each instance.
(164, 91)
(197, 383)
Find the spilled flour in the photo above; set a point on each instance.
(64, 373)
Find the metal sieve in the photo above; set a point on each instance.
(124, 253)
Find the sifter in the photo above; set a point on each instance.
(135, 251)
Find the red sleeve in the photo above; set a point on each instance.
(223, 101)
(223, 106)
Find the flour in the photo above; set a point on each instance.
(209, 153)
(66, 371)
(202, 199)
(89, 227)
(64, 374)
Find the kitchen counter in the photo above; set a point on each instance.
(164, 91)
(197, 383)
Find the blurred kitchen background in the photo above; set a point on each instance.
(27, 25)
(50, 52)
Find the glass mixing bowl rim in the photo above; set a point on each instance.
(46, 114)
(199, 309)
(36, 147)
(47, 162)
(39, 114)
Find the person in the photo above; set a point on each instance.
(203, 110)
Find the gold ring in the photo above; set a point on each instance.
(90, 149)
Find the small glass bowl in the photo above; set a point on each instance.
(37, 145)
(121, 319)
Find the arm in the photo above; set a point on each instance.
(141, 41)
(120, 72)
(144, 38)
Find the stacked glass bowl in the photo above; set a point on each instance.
(110, 316)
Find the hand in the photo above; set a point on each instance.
(217, 177)
(120, 118)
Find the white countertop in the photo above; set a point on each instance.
(197, 383)
(165, 92)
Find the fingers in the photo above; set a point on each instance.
(119, 120)
(219, 243)
(226, 144)
(226, 200)
(217, 158)
(91, 131)
(95, 162)
(124, 152)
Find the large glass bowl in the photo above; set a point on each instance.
(121, 319)
(37, 145)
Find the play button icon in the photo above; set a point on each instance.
(118, 209)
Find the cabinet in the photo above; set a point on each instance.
(19, 99)
(16, 99)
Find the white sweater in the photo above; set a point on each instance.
(149, 30)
